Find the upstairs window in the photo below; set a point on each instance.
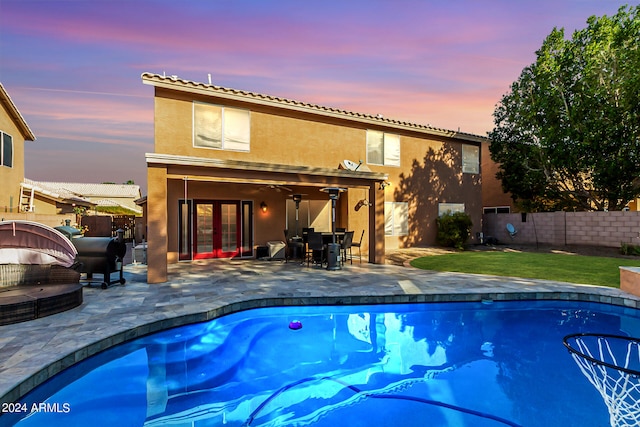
(6, 150)
(222, 128)
(450, 208)
(383, 148)
(470, 159)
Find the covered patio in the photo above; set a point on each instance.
(211, 208)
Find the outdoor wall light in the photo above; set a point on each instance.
(384, 184)
(263, 206)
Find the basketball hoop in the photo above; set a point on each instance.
(611, 363)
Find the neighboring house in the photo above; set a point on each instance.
(51, 199)
(494, 199)
(14, 131)
(227, 164)
(634, 205)
(63, 197)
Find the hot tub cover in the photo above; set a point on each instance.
(28, 242)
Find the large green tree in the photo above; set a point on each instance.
(567, 134)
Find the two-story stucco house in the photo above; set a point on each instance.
(14, 131)
(228, 163)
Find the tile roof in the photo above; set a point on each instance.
(175, 83)
(5, 100)
(59, 193)
(89, 189)
(113, 203)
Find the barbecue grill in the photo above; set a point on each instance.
(101, 255)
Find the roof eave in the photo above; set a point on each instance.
(27, 134)
(167, 159)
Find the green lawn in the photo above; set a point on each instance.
(591, 270)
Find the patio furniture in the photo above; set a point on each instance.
(333, 248)
(357, 245)
(315, 249)
(286, 245)
(38, 275)
(262, 252)
(294, 247)
(277, 249)
(327, 237)
(305, 234)
(346, 244)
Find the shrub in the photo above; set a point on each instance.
(453, 229)
(629, 249)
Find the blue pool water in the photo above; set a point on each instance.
(445, 364)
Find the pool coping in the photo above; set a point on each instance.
(19, 379)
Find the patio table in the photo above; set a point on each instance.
(296, 248)
(327, 237)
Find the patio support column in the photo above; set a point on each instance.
(157, 243)
(376, 225)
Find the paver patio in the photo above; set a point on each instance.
(33, 351)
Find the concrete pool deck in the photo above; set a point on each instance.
(31, 352)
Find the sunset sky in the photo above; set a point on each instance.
(73, 67)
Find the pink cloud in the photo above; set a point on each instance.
(105, 118)
(73, 68)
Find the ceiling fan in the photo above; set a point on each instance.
(279, 188)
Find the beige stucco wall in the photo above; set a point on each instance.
(492, 193)
(10, 178)
(157, 250)
(45, 206)
(630, 280)
(297, 141)
(430, 171)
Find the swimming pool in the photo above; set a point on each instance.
(451, 364)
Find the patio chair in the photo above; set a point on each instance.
(315, 249)
(294, 247)
(347, 242)
(286, 245)
(305, 234)
(357, 245)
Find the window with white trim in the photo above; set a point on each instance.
(496, 210)
(443, 208)
(396, 218)
(470, 158)
(383, 148)
(6, 150)
(219, 127)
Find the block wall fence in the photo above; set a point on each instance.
(609, 229)
(50, 220)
